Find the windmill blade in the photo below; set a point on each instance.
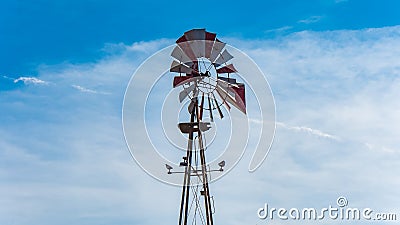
(216, 49)
(225, 96)
(185, 92)
(240, 95)
(201, 107)
(181, 80)
(195, 67)
(178, 54)
(196, 39)
(235, 91)
(210, 38)
(235, 101)
(218, 108)
(210, 108)
(224, 57)
(185, 46)
(227, 69)
(227, 87)
(227, 79)
(227, 105)
(180, 68)
(195, 34)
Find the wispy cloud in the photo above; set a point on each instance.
(304, 129)
(278, 30)
(308, 130)
(149, 46)
(311, 19)
(31, 80)
(140, 47)
(87, 90)
(8, 78)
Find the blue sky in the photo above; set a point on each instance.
(33, 32)
(332, 65)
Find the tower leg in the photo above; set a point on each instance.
(183, 216)
(207, 200)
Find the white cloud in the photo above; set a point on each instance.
(150, 46)
(31, 80)
(278, 30)
(8, 78)
(87, 90)
(311, 19)
(140, 47)
(309, 130)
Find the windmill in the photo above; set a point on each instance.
(202, 68)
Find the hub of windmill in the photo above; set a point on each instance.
(206, 74)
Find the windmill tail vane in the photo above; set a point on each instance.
(202, 67)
